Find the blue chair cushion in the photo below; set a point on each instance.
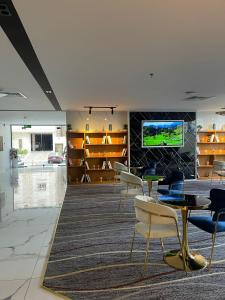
(163, 191)
(207, 224)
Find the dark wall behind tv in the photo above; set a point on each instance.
(166, 158)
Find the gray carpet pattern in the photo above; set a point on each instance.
(89, 258)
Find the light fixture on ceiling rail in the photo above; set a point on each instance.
(105, 107)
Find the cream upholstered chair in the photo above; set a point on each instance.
(118, 167)
(218, 169)
(155, 221)
(134, 184)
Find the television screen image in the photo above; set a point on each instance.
(162, 133)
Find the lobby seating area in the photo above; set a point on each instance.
(90, 256)
(112, 150)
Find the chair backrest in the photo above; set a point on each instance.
(131, 179)
(177, 185)
(154, 213)
(217, 197)
(118, 167)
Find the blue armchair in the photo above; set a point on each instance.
(217, 197)
(215, 223)
(175, 182)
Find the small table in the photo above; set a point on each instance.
(194, 261)
(150, 179)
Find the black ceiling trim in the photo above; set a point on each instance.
(13, 28)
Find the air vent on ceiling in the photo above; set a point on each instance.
(190, 92)
(221, 113)
(196, 98)
(12, 94)
(4, 10)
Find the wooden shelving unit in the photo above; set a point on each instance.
(210, 147)
(91, 155)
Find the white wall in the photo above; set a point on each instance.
(5, 131)
(96, 121)
(8, 118)
(207, 119)
(26, 140)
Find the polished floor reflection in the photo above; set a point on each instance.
(30, 202)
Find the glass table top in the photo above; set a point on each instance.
(185, 200)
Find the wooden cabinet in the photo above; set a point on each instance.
(91, 155)
(210, 147)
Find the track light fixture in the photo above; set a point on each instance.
(105, 107)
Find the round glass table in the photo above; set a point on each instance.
(184, 202)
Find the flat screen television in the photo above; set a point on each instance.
(162, 133)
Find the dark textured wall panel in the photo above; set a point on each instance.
(166, 158)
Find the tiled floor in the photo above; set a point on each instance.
(30, 201)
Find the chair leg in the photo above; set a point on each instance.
(162, 245)
(182, 252)
(132, 244)
(213, 244)
(146, 253)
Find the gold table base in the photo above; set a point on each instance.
(194, 261)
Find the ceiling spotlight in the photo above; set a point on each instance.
(48, 92)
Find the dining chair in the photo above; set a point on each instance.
(118, 167)
(218, 169)
(134, 184)
(211, 224)
(155, 221)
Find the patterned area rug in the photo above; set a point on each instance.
(89, 258)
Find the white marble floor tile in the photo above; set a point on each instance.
(27, 222)
(16, 289)
(17, 269)
(35, 292)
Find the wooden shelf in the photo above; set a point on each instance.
(211, 131)
(76, 166)
(204, 154)
(114, 156)
(125, 145)
(210, 147)
(205, 166)
(100, 170)
(90, 143)
(211, 143)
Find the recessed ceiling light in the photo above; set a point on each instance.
(12, 94)
(150, 75)
(3, 95)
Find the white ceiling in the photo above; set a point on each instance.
(99, 53)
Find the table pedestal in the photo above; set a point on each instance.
(193, 260)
